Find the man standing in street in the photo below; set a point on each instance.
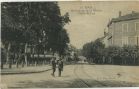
(60, 67)
(53, 62)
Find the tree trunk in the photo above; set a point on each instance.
(17, 64)
(26, 61)
(7, 57)
(17, 60)
(10, 65)
(134, 60)
(44, 59)
(35, 63)
(22, 63)
(2, 65)
(8, 61)
(33, 59)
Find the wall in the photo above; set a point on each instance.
(123, 33)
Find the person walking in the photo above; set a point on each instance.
(60, 67)
(53, 62)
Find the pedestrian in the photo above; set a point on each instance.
(53, 62)
(60, 67)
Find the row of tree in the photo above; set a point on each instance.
(95, 52)
(39, 24)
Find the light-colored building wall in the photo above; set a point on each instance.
(124, 33)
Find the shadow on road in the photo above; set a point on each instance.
(42, 84)
(72, 84)
(94, 83)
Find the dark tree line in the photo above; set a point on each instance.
(92, 49)
(95, 52)
(39, 25)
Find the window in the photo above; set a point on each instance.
(132, 41)
(125, 27)
(137, 26)
(138, 41)
(124, 41)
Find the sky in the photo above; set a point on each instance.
(85, 27)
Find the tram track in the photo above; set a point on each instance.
(83, 82)
(98, 82)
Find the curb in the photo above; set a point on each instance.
(25, 72)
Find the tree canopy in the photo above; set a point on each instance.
(92, 49)
(35, 23)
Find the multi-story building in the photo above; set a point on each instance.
(124, 30)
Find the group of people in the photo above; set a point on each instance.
(57, 64)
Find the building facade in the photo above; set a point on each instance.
(124, 30)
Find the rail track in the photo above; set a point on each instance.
(84, 83)
(80, 81)
(102, 84)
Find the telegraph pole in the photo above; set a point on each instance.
(137, 44)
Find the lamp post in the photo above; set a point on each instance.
(137, 42)
(137, 47)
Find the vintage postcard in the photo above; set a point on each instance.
(69, 44)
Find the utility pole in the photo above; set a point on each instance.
(137, 42)
(137, 48)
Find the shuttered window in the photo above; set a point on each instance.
(124, 41)
(125, 27)
(132, 41)
(137, 26)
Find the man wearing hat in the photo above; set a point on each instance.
(53, 62)
(60, 67)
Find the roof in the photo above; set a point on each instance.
(131, 16)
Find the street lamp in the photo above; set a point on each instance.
(137, 46)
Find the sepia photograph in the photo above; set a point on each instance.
(69, 44)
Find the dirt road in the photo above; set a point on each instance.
(76, 76)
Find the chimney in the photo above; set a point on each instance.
(120, 13)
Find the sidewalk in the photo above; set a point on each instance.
(26, 70)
